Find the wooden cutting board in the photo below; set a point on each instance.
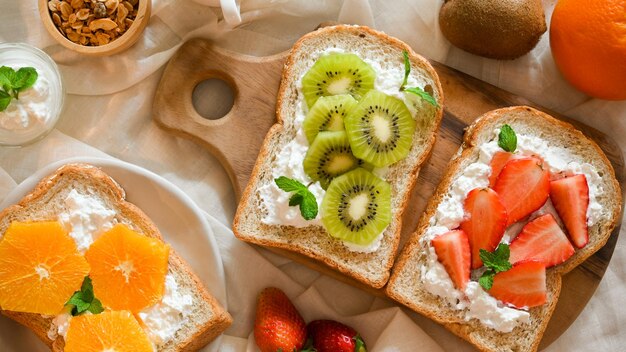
(235, 140)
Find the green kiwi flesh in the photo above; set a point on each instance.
(336, 74)
(357, 207)
(327, 114)
(380, 129)
(328, 157)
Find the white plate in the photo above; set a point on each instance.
(180, 221)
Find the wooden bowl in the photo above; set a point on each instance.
(120, 44)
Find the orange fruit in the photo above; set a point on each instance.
(40, 267)
(588, 41)
(128, 269)
(107, 331)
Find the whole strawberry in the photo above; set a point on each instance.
(278, 325)
(332, 336)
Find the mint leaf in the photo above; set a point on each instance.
(423, 94)
(296, 199)
(25, 77)
(96, 306)
(79, 302)
(407, 68)
(6, 77)
(84, 300)
(87, 290)
(507, 139)
(486, 281)
(5, 100)
(302, 196)
(495, 262)
(77, 298)
(498, 260)
(308, 206)
(289, 185)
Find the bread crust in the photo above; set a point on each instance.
(469, 330)
(40, 325)
(276, 129)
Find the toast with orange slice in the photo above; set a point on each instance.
(80, 264)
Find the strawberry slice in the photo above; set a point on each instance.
(570, 196)
(485, 222)
(523, 187)
(541, 240)
(453, 251)
(497, 163)
(522, 286)
(500, 159)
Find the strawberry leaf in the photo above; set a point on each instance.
(359, 344)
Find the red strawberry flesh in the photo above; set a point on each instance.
(498, 161)
(570, 196)
(453, 251)
(485, 222)
(333, 336)
(523, 286)
(523, 187)
(278, 325)
(541, 240)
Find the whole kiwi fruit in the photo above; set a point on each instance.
(497, 29)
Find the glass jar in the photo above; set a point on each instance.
(38, 108)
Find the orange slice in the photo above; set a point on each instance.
(107, 331)
(40, 267)
(128, 269)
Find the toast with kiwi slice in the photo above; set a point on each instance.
(350, 136)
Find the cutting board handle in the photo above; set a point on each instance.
(234, 138)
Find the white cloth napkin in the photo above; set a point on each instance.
(108, 113)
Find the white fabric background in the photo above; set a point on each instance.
(108, 112)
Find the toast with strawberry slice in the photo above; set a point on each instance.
(556, 193)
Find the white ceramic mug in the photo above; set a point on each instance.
(230, 9)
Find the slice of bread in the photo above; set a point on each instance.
(207, 319)
(313, 241)
(405, 284)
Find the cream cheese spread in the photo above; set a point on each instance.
(288, 162)
(165, 318)
(86, 218)
(477, 303)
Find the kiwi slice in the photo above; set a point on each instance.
(329, 156)
(357, 207)
(336, 74)
(327, 114)
(380, 129)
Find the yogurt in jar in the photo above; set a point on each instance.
(37, 108)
